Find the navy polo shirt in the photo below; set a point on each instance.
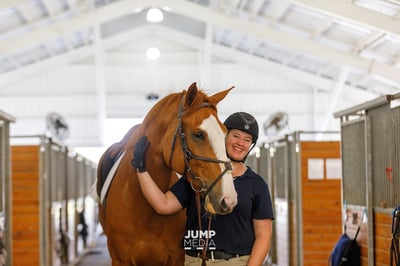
(232, 233)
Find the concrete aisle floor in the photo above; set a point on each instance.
(98, 255)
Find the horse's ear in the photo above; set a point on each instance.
(216, 98)
(191, 94)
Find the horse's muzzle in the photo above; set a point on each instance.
(223, 206)
(227, 204)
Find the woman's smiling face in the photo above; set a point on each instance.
(238, 144)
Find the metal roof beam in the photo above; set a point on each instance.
(382, 71)
(385, 72)
(346, 10)
(10, 3)
(32, 70)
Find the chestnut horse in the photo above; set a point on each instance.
(186, 137)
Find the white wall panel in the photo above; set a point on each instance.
(69, 80)
(71, 92)
(83, 131)
(40, 106)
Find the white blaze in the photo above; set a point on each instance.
(217, 142)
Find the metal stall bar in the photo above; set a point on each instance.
(5, 183)
(80, 200)
(71, 204)
(45, 198)
(296, 191)
(364, 106)
(265, 170)
(52, 193)
(279, 153)
(57, 182)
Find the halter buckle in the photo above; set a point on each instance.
(200, 182)
(188, 154)
(228, 166)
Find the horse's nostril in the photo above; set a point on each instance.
(224, 206)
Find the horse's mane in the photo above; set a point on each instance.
(166, 101)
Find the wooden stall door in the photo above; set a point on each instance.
(321, 201)
(25, 202)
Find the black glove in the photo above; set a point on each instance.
(139, 153)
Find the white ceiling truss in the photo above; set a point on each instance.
(350, 44)
(317, 37)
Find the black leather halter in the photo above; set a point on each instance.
(189, 155)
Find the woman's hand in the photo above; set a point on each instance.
(139, 153)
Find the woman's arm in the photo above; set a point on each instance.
(163, 203)
(262, 244)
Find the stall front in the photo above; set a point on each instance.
(5, 188)
(53, 219)
(303, 170)
(371, 180)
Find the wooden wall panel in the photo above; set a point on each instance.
(25, 201)
(382, 238)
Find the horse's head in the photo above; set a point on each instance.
(195, 147)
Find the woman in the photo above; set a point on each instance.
(242, 237)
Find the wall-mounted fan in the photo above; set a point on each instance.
(275, 124)
(57, 127)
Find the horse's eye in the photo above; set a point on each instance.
(198, 135)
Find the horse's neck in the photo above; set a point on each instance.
(160, 172)
(173, 178)
(157, 125)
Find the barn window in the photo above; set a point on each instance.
(324, 168)
(315, 169)
(333, 168)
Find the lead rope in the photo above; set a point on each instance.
(208, 237)
(204, 251)
(198, 205)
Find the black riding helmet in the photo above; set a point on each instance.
(245, 122)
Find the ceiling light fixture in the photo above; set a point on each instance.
(154, 15)
(153, 53)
